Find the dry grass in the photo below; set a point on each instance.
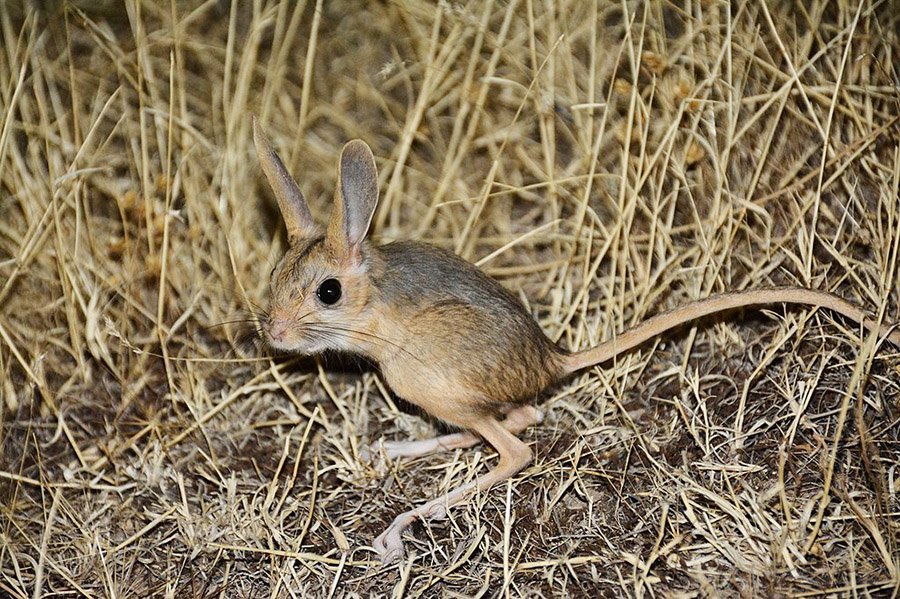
(605, 160)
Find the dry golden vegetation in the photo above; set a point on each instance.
(605, 160)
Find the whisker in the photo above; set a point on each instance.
(332, 333)
(227, 322)
(330, 328)
(255, 305)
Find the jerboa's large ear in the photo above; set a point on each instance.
(293, 206)
(355, 200)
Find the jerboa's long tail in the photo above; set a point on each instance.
(661, 323)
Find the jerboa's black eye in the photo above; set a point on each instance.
(329, 291)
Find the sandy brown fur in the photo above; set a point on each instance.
(466, 322)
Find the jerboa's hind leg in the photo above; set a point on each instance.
(514, 455)
(516, 421)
